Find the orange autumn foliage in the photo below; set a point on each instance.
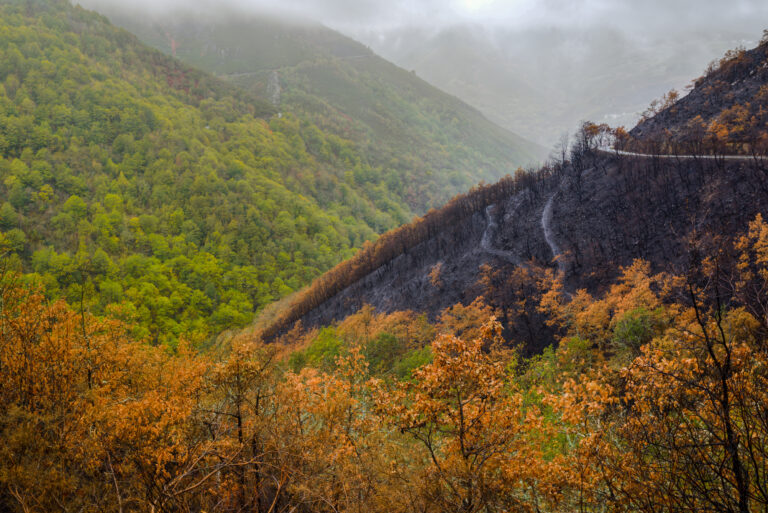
(468, 422)
(655, 399)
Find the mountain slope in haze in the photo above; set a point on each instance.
(134, 185)
(582, 220)
(431, 144)
(543, 81)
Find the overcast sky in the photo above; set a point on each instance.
(634, 16)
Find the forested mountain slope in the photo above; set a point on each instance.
(136, 186)
(430, 144)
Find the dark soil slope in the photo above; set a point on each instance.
(586, 218)
(598, 218)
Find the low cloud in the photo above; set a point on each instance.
(646, 19)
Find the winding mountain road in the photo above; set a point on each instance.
(489, 234)
(683, 157)
(549, 235)
(546, 214)
(492, 227)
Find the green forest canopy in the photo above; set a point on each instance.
(155, 193)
